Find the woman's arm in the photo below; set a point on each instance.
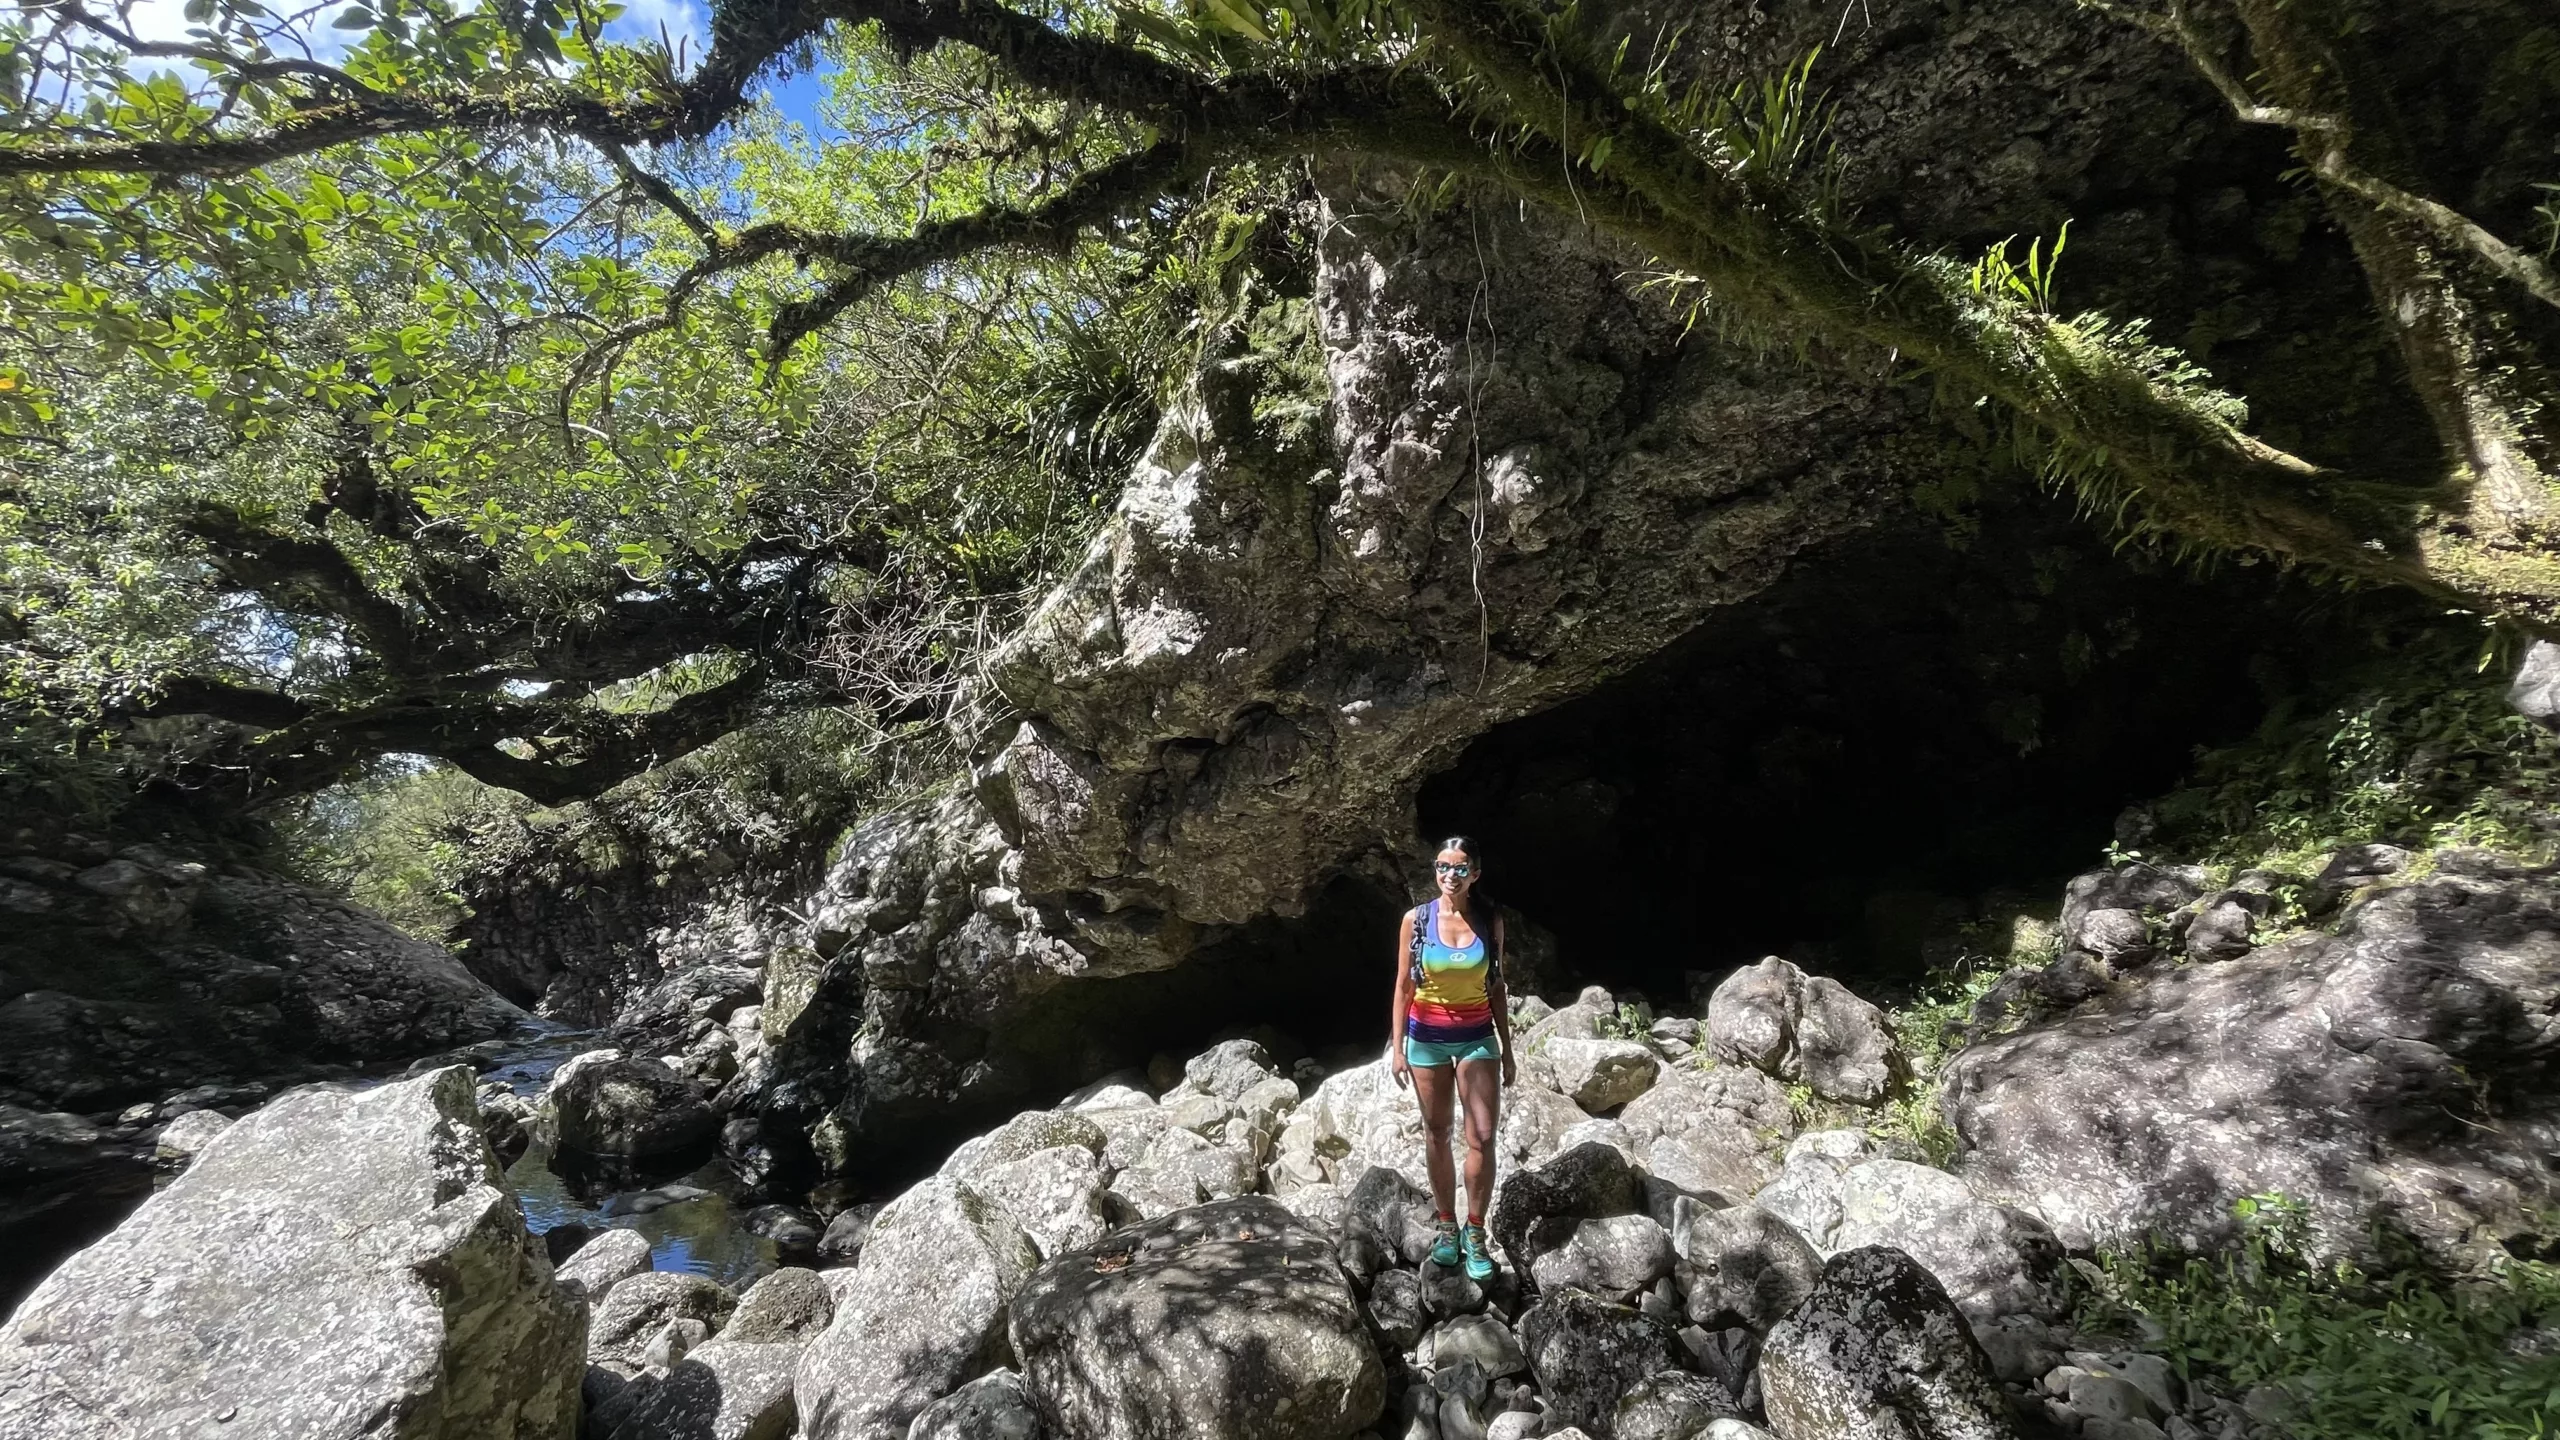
(1397, 1065)
(1499, 994)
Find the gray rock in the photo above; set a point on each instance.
(2141, 889)
(789, 1306)
(629, 1107)
(2220, 930)
(1600, 1075)
(1587, 1353)
(389, 1288)
(1588, 1181)
(1672, 1405)
(1225, 1322)
(1734, 1430)
(1230, 1068)
(2535, 693)
(674, 1340)
(1744, 1266)
(1878, 1352)
(1056, 1195)
(610, 1258)
(843, 1240)
(1480, 1340)
(1704, 1132)
(1179, 1170)
(2333, 1069)
(1780, 1021)
(663, 1017)
(1845, 1048)
(1022, 1137)
(924, 1311)
(183, 1138)
(2095, 1396)
(636, 1309)
(1395, 1307)
(1991, 1259)
(1751, 1018)
(1613, 1257)
(2119, 937)
(994, 1406)
(2351, 869)
(724, 1390)
(2021, 1348)
(1533, 1124)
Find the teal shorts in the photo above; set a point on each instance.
(1429, 1054)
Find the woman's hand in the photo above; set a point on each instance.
(1510, 1069)
(1401, 1068)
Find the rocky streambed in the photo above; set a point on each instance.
(1715, 1224)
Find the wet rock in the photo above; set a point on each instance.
(924, 1311)
(637, 1307)
(1744, 1266)
(1227, 1322)
(1599, 1075)
(605, 1261)
(392, 1285)
(1992, 1259)
(995, 1406)
(1878, 1352)
(2325, 1068)
(789, 1306)
(1613, 1257)
(1672, 1405)
(1056, 1195)
(1586, 1353)
(625, 1107)
(793, 1231)
(842, 1242)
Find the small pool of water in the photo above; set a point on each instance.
(691, 1221)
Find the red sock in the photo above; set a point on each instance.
(1475, 1219)
(1446, 1217)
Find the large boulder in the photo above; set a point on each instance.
(1056, 1195)
(1743, 1266)
(2399, 1072)
(338, 1263)
(992, 1407)
(1782, 1022)
(636, 1311)
(1710, 1133)
(189, 972)
(629, 1107)
(1614, 1257)
(665, 1016)
(1992, 1259)
(1600, 1075)
(1229, 1321)
(1878, 1352)
(1534, 1210)
(924, 1311)
(724, 1390)
(1587, 1353)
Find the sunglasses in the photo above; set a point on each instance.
(1461, 870)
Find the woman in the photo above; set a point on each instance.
(1451, 1036)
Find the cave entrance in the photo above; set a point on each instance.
(1849, 765)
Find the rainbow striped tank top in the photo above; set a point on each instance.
(1452, 1001)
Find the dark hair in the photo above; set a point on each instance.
(1480, 915)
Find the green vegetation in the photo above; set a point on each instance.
(417, 377)
(2395, 1354)
(2419, 750)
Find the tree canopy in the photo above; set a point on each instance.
(489, 382)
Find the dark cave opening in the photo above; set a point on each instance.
(1903, 727)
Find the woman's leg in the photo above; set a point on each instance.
(1435, 1087)
(1480, 1091)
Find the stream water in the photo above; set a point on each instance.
(693, 1219)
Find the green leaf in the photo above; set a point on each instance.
(1235, 16)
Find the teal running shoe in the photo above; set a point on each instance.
(1479, 1263)
(1444, 1251)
